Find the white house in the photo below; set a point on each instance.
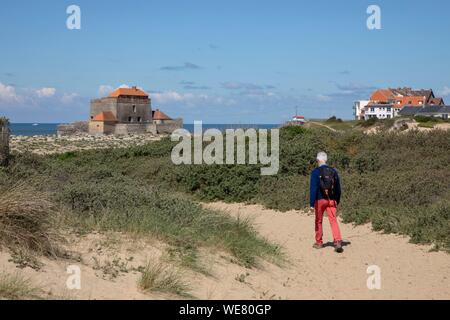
(358, 109)
(380, 111)
(298, 119)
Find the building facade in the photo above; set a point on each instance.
(388, 103)
(122, 106)
(380, 111)
(128, 111)
(359, 109)
(436, 111)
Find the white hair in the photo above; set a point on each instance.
(322, 156)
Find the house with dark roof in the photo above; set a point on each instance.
(426, 111)
(445, 111)
(409, 111)
(388, 103)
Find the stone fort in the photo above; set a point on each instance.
(125, 111)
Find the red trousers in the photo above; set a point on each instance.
(330, 206)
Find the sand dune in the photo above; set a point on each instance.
(407, 271)
(109, 264)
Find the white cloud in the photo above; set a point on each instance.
(8, 94)
(105, 90)
(190, 99)
(173, 96)
(323, 98)
(46, 92)
(445, 92)
(68, 98)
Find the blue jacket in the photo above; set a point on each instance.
(315, 193)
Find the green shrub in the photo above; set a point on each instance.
(425, 119)
(333, 119)
(138, 189)
(369, 122)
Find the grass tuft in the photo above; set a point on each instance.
(26, 219)
(159, 277)
(16, 287)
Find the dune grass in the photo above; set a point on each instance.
(26, 223)
(113, 190)
(17, 287)
(159, 277)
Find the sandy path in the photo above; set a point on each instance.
(407, 271)
(323, 125)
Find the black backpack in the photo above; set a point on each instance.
(327, 181)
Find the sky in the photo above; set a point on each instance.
(243, 61)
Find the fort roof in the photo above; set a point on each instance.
(105, 116)
(134, 91)
(159, 115)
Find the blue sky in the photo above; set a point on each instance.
(218, 61)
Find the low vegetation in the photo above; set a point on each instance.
(26, 224)
(16, 287)
(4, 122)
(397, 181)
(159, 277)
(425, 119)
(116, 190)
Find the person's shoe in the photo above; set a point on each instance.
(338, 247)
(318, 246)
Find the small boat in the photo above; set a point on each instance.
(35, 124)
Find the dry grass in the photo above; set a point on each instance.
(16, 287)
(4, 122)
(26, 222)
(162, 278)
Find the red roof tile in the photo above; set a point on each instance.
(105, 116)
(128, 92)
(159, 115)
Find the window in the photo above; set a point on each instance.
(134, 109)
(372, 109)
(389, 109)
(139, 119)
(130, 119)
(388, 116)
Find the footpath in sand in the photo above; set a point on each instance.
(408, 271)
(109, 265)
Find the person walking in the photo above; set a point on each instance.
(325, 195)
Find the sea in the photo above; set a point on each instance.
(41, 129)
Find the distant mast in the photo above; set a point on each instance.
(297, 120)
